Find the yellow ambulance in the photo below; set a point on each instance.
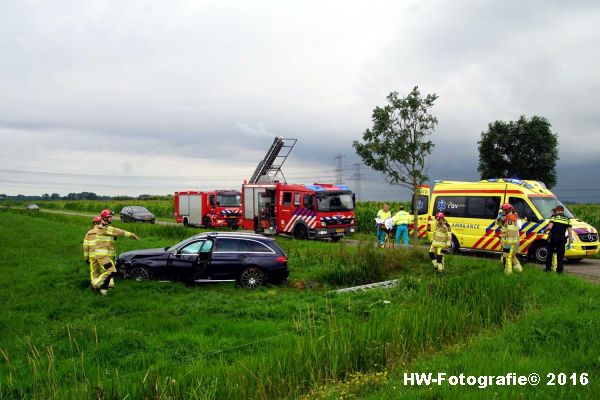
(471, 208)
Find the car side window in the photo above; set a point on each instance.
(224, 245)
(254, 246)
(192, 248)
(206, 247)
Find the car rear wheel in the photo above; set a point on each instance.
(139, 273)
(252, 278)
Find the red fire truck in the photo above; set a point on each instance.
(210, 209)
(304, 211)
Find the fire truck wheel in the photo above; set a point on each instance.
(207, 223)
(185, 222)
(336, 239)
(300, 232)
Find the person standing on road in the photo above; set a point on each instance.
(105, 249)
(509, 238)
(382, 215)
(401, 220)
(559, 236)
(89, 248)
(442, 240)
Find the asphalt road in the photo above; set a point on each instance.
(588, 268)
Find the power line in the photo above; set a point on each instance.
(339, 168)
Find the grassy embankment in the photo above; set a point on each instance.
(165, 339)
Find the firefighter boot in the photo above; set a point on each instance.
(440, 263)
(433, 260)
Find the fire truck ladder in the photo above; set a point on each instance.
(270, 166)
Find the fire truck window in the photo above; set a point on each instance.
(309, 201)
(211, 200)
(297, 199)
(248, 203)
(287, 198)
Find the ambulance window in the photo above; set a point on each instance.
(297, 199)
(422, 205)
(287, 198)
(452, 206)
(309, 201)
(483, 207)
(523, 209)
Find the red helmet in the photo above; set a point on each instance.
(507, 206)
(107, 212)
(97, 220)
(440, 215)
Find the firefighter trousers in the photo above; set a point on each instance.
(510, 260)
(437, 257)
(105, 274)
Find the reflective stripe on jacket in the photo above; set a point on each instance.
(442, 234)
(105, 240)
(401, 218)
(89, 243)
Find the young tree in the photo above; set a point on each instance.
(525, 149)
(398, 144)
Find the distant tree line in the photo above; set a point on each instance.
(79, 196)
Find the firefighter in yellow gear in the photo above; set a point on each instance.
(89, 251)
(401, 220)
(442, 240)
(105, 250)
(509, 238)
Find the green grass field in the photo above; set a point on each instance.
(298, 340)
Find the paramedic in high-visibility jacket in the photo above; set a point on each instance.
(401, 220)
(105, 250)
(382, 215)
(560, 235)
(509, 238)
(442, 240)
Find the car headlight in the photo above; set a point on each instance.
(574, 237)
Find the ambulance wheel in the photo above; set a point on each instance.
(539, 252)
(455, 247)
(207, 223)
(300, 232)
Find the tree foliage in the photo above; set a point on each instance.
(397, 144)
(525, 149)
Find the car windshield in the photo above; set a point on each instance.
(545, 205)
(340, 201)
(229, 200)
(138, 209)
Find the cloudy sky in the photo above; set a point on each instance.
(156, 96)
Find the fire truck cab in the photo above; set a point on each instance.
(219, 208)
(314, 211)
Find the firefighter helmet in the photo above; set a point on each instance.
(107, 212)
(440, 215)
(507, 206)
(97, 220)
